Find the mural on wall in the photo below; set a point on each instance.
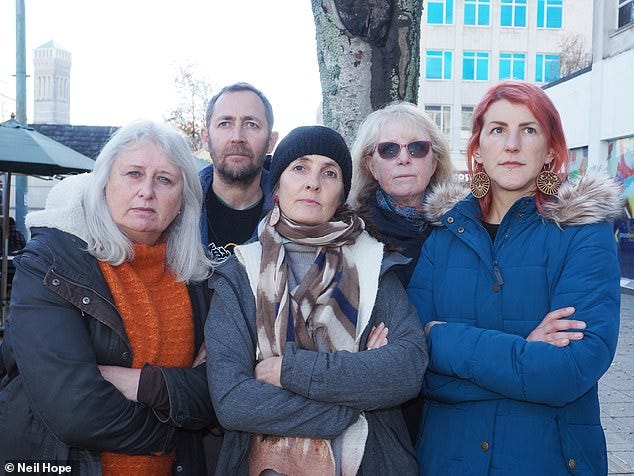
(578, 162)
(621, 167)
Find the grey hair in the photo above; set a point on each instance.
(186, 256)
(406, 116)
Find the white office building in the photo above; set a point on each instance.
(468, 45)
(597, 106)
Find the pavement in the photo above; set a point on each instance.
(616, 392)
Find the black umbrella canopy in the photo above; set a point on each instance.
(26, 151)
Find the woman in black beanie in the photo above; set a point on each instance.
(302, 372)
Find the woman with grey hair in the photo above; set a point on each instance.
(103, 351)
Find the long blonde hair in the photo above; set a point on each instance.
(407, 116)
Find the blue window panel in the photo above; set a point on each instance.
(440, 12)
(549, 13)
(539, 69)
(554, 15)
(482, 70)
(513, 13)
(449, 17)
(512, 66)
(468, 66)
(506, 15)
(447, 70)
(438, 64)
(484, 14)
(520, 16)
(435, 13)
(541, 13)
(433, 65)
(476, 12)
(469, 13)
(551, 69)
(475, 66)
(547, 68)
(505, 66)
(519, 68)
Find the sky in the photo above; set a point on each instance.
(126, 53)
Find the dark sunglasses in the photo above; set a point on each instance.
(390, 150)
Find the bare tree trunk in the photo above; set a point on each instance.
(369, 56)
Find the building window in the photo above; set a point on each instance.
(465, 129)
(513, 13)
(477, 12)
(438, 65)
(626, 12)
(475, 66)
(441, 115)
(549, 13)
(440, 12)
(546, 68)
(512, 66)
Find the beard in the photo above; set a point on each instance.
(242, 174)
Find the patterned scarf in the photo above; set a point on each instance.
(327, 300)
(413, 215)
(322, 308)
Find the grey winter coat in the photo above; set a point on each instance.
(322, 393)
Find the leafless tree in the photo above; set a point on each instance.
(193, 94)
(574, 55)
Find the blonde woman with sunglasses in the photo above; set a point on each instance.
(398, 155)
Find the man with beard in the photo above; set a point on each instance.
(238, 136)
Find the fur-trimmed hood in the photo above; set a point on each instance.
(592, 198)
(64, 209)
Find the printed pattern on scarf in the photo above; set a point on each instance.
(327, 300)
(323, 307)
(415, 216)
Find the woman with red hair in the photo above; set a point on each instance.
(509, 391)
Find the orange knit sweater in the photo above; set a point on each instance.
(158, 320)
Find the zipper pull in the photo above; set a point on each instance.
(495, 287)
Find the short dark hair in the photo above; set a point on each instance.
(236, 87)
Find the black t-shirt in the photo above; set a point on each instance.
(228, 227)
(491, 228)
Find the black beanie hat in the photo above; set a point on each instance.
(307, 140)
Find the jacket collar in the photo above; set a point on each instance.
(592, 198)
(64, 210)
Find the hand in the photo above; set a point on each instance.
(555, 330)
(201, 358)
(126, 380)
(269, 370)
(377, 337)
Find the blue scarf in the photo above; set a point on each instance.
(412, 214)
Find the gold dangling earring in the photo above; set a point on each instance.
(547, 181)
(480, 184)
